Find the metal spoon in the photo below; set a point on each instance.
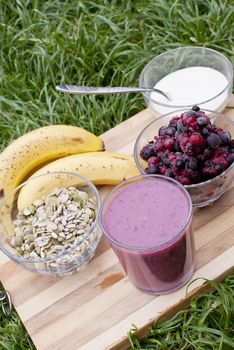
(74, 89)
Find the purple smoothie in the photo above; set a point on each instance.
(148, 223)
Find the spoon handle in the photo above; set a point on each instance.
(74, 89)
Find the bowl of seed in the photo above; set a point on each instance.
(52, 229)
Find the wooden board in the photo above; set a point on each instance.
(95, 308)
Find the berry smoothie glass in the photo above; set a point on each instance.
(148, 222)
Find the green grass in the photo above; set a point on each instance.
(207, 324)
(13, 335)
(45, 43)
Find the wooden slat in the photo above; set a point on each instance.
(95, 308)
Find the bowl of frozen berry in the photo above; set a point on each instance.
(195, 147)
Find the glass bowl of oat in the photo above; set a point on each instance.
(49, 224)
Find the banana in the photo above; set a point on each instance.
(40, 146)
(102, 168)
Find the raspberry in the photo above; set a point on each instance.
(197, 140)
(169, 143)
(153, 161)
(209, 172)
(222, 160)
(158, 145)
(163, 170)
(182, 139)
(191, 122)
(184, 180)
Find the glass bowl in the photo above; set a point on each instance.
(174, 60)
(203, 193)
(63, 261)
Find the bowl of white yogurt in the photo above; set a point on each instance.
(190, 76)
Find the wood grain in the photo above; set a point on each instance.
(95, 308)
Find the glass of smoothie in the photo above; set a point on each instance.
(147, 220)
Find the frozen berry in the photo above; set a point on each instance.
(158, 145)
(192, 164)
(213, 141)
(191, 122)
(168, 172)
(191, 113)
(170, 131)
(225, 136)
(205, 132)
(209, 172)
(219, 168)
(169, 143)
(195, 176)
(153, 161)
(180, 164)
(190, 149)
(163, 170)
(152, 169)
(166, 159)
(147, 151)
(184, 180)
(177, 147)
(173, 123)
(230, 158)
(201, 121)
(197, 140)
(162, 131)
(182, 128)
(207, 153)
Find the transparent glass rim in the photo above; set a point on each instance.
(148, 97)
(154, 246)
(204, 183)
(74, 246)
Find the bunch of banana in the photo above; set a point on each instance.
(101, 168)
(66, 148)
(39, 146)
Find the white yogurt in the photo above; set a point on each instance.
(191, 86)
